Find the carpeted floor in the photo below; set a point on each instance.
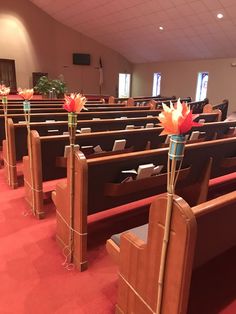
(33, 280)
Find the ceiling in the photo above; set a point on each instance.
(131, 27)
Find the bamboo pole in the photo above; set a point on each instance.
(175, 154)
(5, 107)
(26, 106)
(72, 124)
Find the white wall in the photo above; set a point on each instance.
(180, 79)
(38, 43)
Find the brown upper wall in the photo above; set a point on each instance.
(38, 43)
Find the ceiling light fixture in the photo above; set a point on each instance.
(220, 16)
(161, 28)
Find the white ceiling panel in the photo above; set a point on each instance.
(131, 27)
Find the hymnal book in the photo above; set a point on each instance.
(123, 118)
(201, 121)
(145, 171)
(49, 121)
(129, 127)
(119, 145)
(53, 131)
(67, 150)
(96, 119)
(98, 149)
(157, 170)
(127, 175)
(149, 125)
(85, 130)
(21, 122)
(149, 116)
(167, 141)
(194, 135)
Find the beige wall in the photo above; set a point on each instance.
(40, 44)
(180, 79)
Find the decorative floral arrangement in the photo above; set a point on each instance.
(178, 119)
(74, 103)
(25, 93)
(4, 90)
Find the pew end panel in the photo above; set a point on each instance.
(9, 156)
(139, 262)
(33, 177)
(212, 230)
(79, 226)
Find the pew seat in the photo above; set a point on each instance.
(198, 235)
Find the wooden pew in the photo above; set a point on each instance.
(52, 147)
(63, 116)
(17, 137)
(193, 242)
(222, 108)
(97, 187)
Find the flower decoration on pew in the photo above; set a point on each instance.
(27, 95)
(4, 92)
(73, 104)
(176, 121)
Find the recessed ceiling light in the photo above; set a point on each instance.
(220, 16)
(161, 28)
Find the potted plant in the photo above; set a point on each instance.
(53, 88)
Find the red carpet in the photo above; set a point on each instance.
(33, 280)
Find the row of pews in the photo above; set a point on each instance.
(99, 188)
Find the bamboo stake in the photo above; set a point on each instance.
(72, 117)
(5, 103)
(26, 105)
(173, 157)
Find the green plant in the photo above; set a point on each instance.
(46, 86)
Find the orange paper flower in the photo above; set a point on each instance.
(177, 119)
(4, 90)
(74, 102)
(25, 93)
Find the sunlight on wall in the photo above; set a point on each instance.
(16, 44)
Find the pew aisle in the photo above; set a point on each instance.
(33, 279)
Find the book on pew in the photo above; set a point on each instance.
(194, 135)
(21, 122)
(96, 119)
(129, 127)
(232, 131)
(49, 121)
(149, 116)
(85, 130)
(145, 171)
(53, 131)
(67, 150)
(98, 149)
(149, 125)
(167, 140)
(127, 175)
(157, 170)
(119, 145)
(201, 121)
(87, 150)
